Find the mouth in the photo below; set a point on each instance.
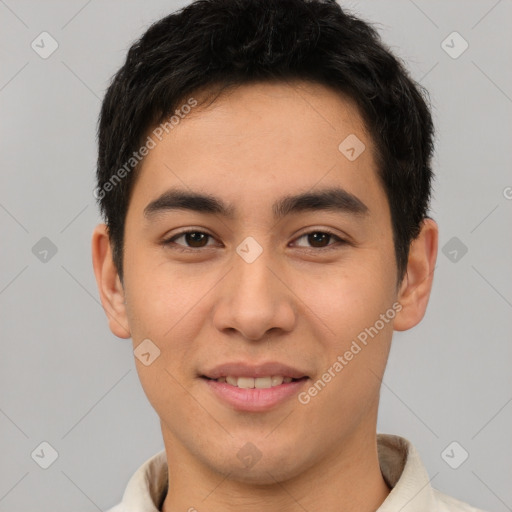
(270, 381)
(244, 387)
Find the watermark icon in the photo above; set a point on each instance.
(355, 348)
(249, 455)
(454, 45)
(454, 455)
(351, 147)
(454, 250)
(44, 455)
(44, 250)
(44, 45)
(137, 156)
(507, 192)
(249, 250)
(146, 352)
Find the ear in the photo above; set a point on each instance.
(109, 285)
(417, 283)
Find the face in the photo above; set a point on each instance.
(286, 269)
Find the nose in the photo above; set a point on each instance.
(255, 299)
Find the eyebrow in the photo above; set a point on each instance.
(331, 199)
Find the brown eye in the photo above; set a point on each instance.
(192, 240)
(320, 240)
(196, 238)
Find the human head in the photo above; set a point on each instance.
(243, 153)
(275, 41)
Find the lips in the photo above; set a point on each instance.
(247, 387)
(258, 382)
(252, 371)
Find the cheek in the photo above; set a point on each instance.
(353, 361)
(350, 300)
(164, 307)
(350, 296)
(158, 296)
(168, 305)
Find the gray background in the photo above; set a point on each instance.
(65, 379)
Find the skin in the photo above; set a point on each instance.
(297, 303)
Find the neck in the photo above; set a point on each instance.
(349, 479)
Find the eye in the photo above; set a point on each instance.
(192, 239)
(320, 239)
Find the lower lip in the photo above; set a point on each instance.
(254, 399)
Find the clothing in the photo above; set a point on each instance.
(399, 461)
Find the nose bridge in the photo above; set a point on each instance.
(253, 299)
(253, 275)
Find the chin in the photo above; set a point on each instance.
(262, 476)
(258, 469)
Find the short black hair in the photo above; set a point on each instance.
(212, 45)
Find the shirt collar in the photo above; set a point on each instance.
(400, 465)
(403, 471)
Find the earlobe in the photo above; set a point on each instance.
(416, 286)
(109, 285)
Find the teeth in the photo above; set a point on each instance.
(277, 380)
(245, 382)
(263, 382)
(232, 380)
(258, 382)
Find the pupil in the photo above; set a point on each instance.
(316, 236)
(194, 238)
(315, 239)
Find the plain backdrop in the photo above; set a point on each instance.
(67, 381)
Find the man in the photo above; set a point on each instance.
(264, 173)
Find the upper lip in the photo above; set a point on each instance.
(243, 369)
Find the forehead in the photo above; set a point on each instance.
(294, 114)
(261, 139)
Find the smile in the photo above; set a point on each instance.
(247, 394)
(258, 382)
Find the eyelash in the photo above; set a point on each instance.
(178, 247)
